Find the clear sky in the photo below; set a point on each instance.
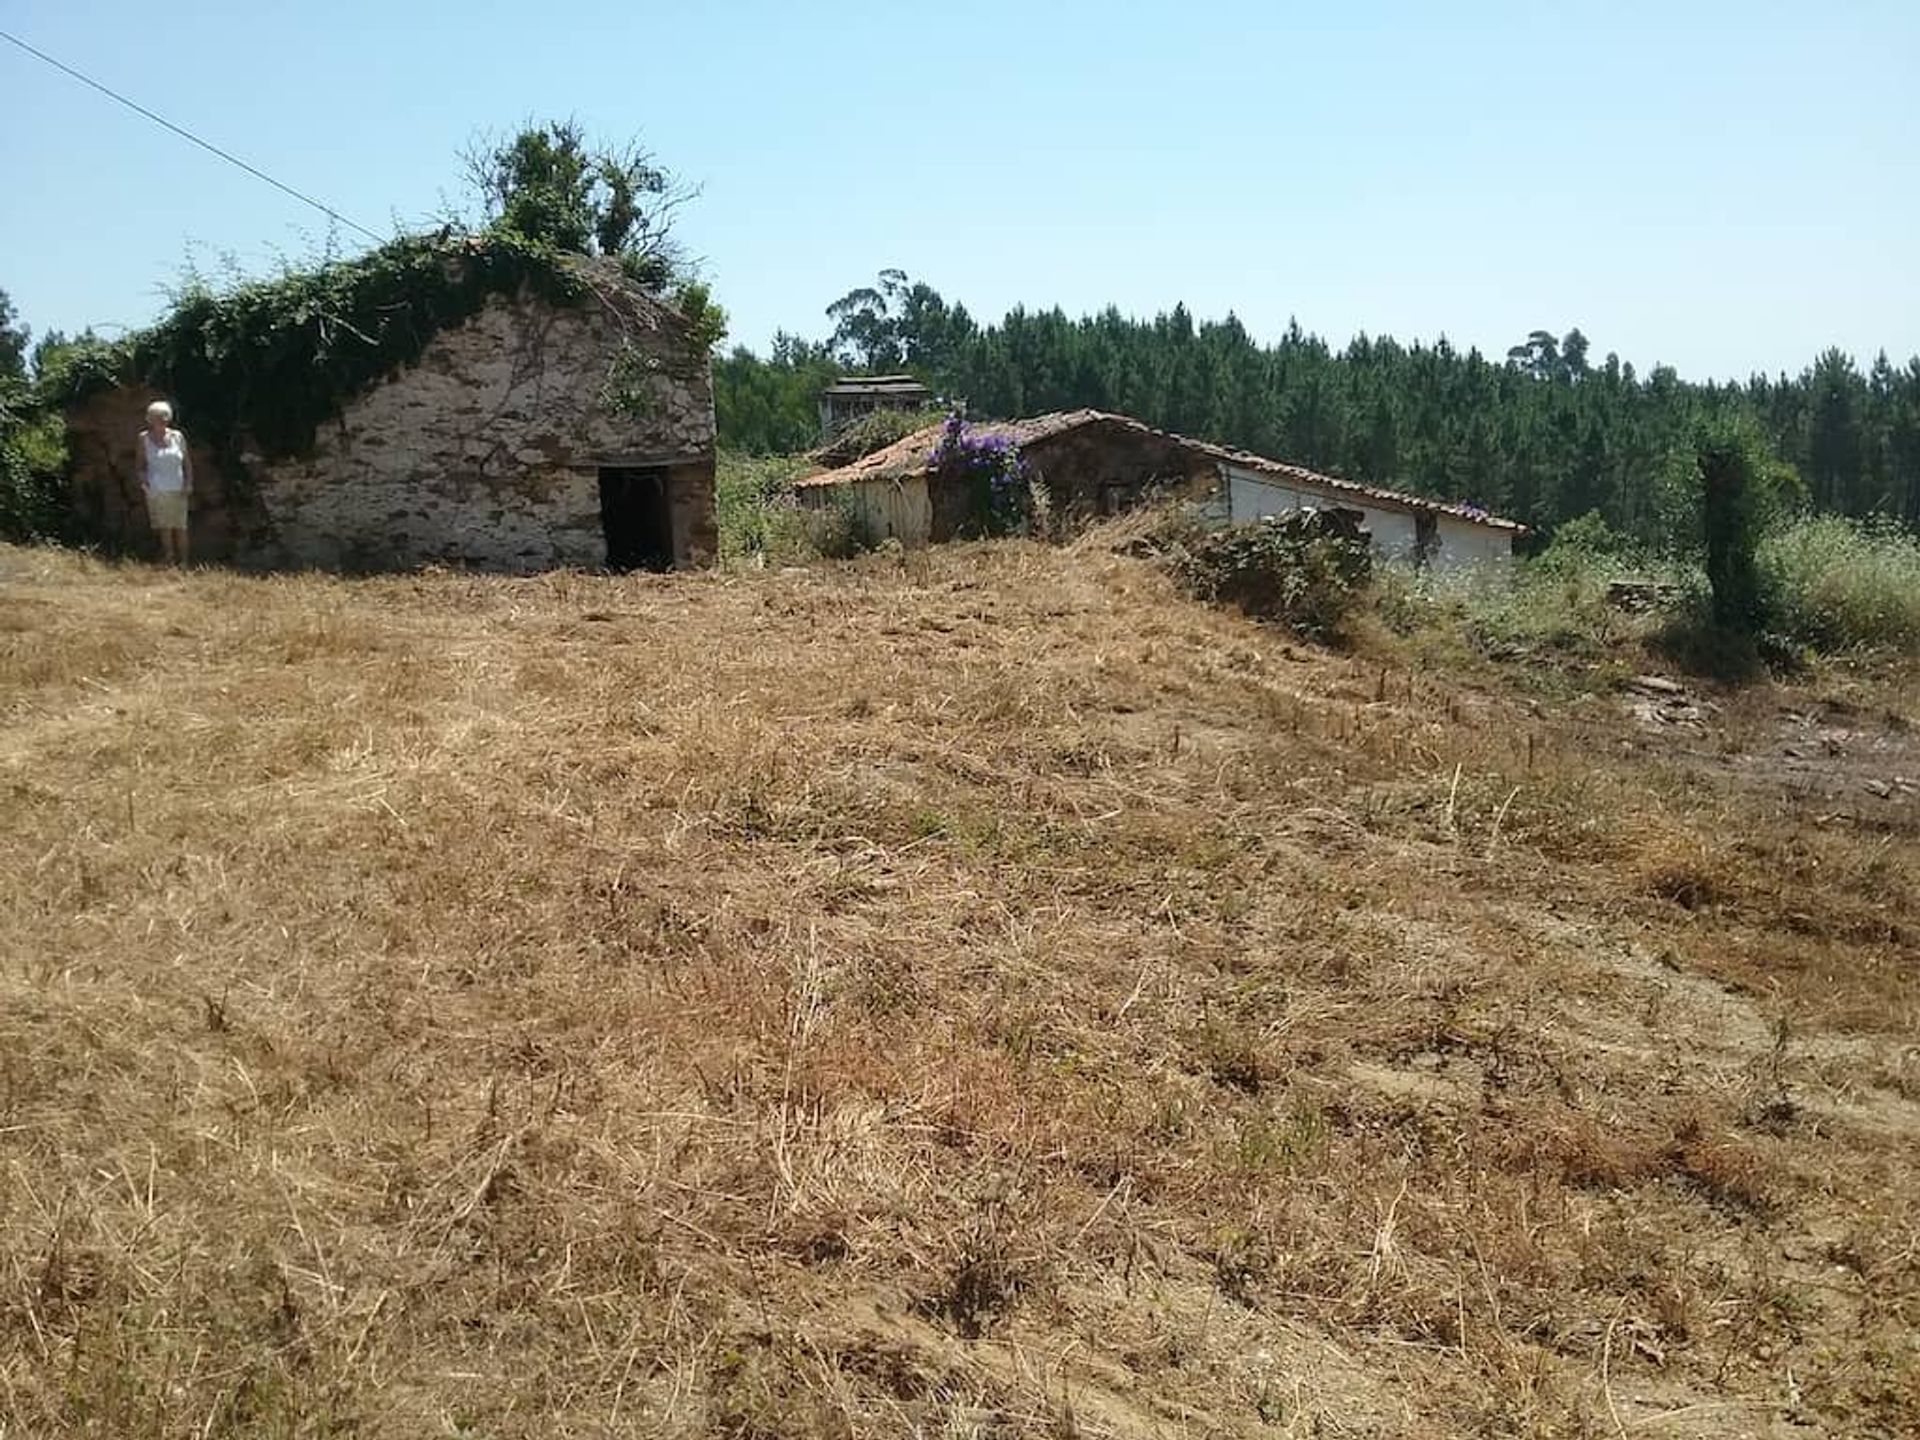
(1722, 187)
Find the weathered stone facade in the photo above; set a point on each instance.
(1099, 467)
(488, 453)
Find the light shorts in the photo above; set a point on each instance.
(167, 509)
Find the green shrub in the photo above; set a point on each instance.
(874, 432)
(1691, 639)
(1558, 606)
(1840, 584)
(1550, 603)
(751, 492)
(706, 319)
(1723, 489)
(834, 531)
(761, 522)
(1306, 569)
(1583, 545)
(33, 456)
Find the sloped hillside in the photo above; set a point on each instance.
(974, 994)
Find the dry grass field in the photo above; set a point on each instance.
(974, 994)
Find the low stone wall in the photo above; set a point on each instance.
(486, 453)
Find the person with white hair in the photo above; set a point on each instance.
(166, 476)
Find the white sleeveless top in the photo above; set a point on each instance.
(166, 464)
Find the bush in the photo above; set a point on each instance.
(752, 493)
(1724, 486)
(1549, 604)
(1840, 584)
(761, 522)
(1306, 568)
(33, 454)
(1689, 638)
(706, 319)
(874, 432)
(1585, 545)
(834, 531)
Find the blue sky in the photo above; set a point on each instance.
(1719, 187)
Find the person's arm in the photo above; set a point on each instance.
(186, 467)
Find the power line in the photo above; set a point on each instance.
(161, 120)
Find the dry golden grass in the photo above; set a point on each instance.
(978, 994)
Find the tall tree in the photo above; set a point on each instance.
(1573, 354)
(866, 323)
(1539, 357)
(1834, 442)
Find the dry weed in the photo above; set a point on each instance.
(972, 994)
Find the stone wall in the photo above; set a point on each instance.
(486, 453)
(102, 436)
(1089, 471)
(1106, 468)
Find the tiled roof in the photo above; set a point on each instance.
(914, 455)
(1392, 499)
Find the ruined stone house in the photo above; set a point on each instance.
(1092, 464)
(537, 434)
(1088, 463)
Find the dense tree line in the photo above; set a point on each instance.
(1544, 433)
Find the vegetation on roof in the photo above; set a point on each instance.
(875, 432)
(274, 359)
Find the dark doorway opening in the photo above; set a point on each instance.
(636, 518)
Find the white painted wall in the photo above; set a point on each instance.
(1463, 543)
(889, 509)
(1253, 495)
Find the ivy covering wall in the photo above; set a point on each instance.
(275, 359)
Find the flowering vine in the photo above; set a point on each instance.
(992, 468)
